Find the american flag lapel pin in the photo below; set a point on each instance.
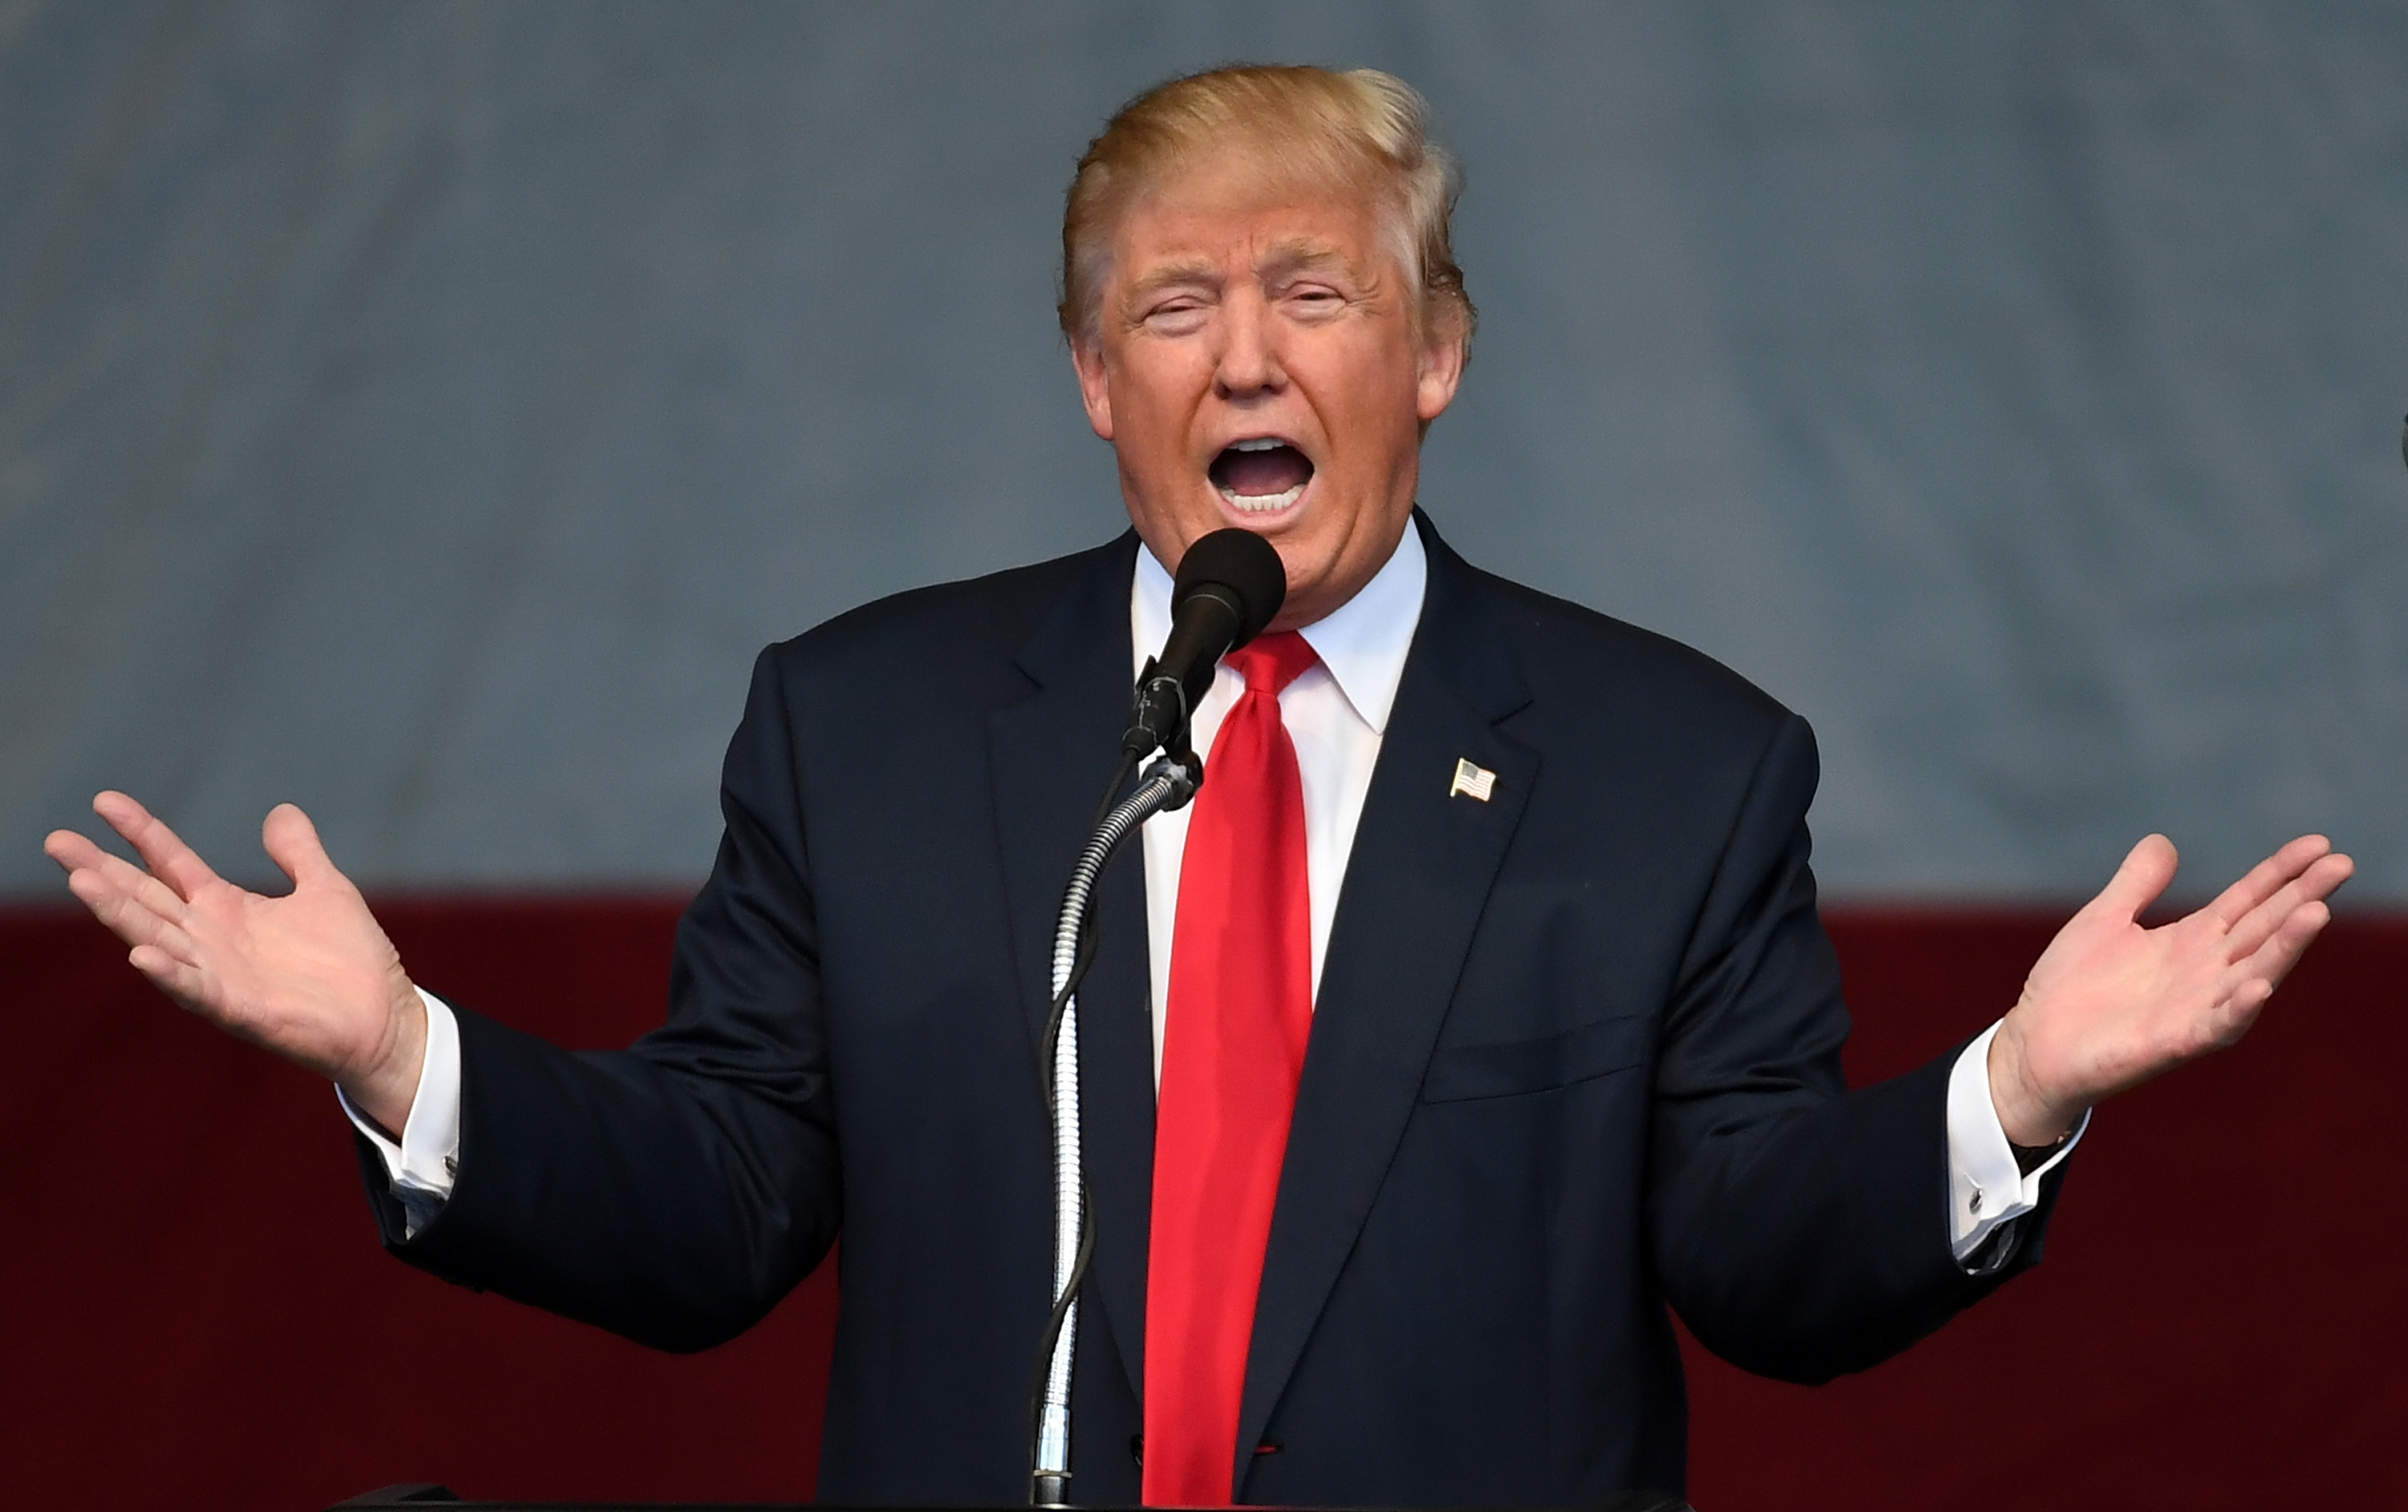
(1471, 780)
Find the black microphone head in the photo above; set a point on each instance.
(1247, 571)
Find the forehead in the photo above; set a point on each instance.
(1239, 209)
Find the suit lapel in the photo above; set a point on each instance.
(1420, 873)
(1049, 755)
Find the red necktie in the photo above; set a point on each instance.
(1241, 1009)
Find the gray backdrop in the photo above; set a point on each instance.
(424, 411)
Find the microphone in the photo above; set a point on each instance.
(1230, 585)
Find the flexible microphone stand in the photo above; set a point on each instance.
(1229, 588)
(1166, 785)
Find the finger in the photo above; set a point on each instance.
(2259, 925)
(169, 857)
(2268, 877)
(71, 850)
(2324, 878)
(178, 980)
(78, 854)
(292, 841)
(2146, 872)
(2238, 1013)
(140, 886)
(127, 917)
(2272, 960)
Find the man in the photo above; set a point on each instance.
(1476, 1010)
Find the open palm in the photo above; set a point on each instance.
(310, 975)
(2109, 1004)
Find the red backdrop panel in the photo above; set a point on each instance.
(2220, 1320)
(196, 1305)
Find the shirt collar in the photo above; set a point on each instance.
(1362, 642)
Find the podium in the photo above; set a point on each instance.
(433, 1496)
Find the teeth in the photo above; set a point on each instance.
(1260, 443)
(1262, 503)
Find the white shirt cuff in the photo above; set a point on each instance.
(421, 1167)
(1986, 1187)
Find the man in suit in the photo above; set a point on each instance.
(1476, 1010)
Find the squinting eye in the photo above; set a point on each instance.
(1177, 317)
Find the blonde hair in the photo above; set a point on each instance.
(1360, 129)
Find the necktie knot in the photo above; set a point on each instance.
(1270, 663)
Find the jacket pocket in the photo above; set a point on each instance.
(1461, 1072)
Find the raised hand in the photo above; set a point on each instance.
(310, 976)
(2109, 1004)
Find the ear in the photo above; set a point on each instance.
(1440, 372)
(1095, 386)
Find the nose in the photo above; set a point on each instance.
(1249, 358)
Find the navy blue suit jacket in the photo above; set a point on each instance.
(1576, 1055)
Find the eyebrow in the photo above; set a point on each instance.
(1289, 255)
(1296, 254)
(1174, 274)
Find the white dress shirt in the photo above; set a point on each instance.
(1335, 715)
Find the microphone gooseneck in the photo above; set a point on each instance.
(1229, 587)
(1167, 784)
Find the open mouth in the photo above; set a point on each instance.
(1260, 477)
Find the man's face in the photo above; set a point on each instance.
(1256, 364)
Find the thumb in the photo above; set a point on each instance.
(2146, 873)
(292, 842)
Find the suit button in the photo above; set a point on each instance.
(1137, 1450)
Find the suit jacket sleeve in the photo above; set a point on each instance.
(672, 1192)
(1799, 1229)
